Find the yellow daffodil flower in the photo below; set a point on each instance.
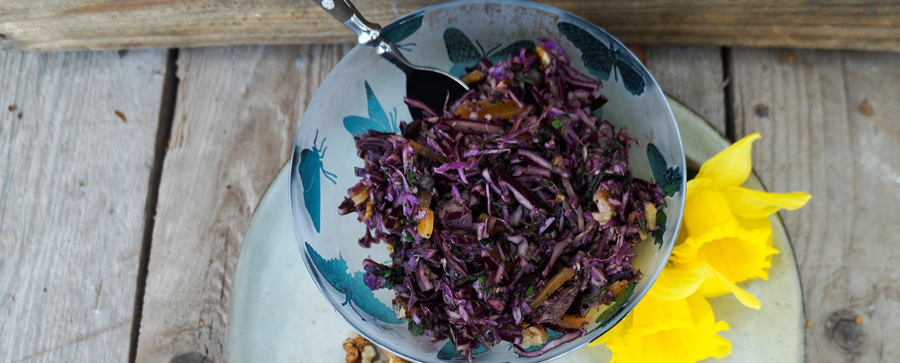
(725, 238)
(728, 237)
(678, 331)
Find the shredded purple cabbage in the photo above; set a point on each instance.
(539, 186)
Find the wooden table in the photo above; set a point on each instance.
(127, 180)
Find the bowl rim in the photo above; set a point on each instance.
(636, 296)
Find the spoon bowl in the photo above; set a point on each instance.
(431, 86)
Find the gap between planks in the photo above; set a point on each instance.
(728, 91)
(164, 130)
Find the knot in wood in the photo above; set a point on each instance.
(842, 329)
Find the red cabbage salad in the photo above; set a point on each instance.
(510, 212)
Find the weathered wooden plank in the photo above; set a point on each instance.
(105, 24)
(237, 112)
(77, 133)
(829, 127)
(692, 75)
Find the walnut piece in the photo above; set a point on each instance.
(392, 358)
(360, 350)
(650, 215)
(604, 208)
(534, 335)
(355, 346)
(544, 57)
(352, 352)
(368, 353)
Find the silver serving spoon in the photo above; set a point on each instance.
(429, 85)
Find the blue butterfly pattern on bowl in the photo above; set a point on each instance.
(464, 55)
(377, 120)
(602, 59)
(398, 32)
(310, 164)
(669, 179)
(353, 287)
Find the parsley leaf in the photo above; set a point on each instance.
(617, 305)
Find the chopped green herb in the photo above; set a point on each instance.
(494, 102)
(507, 204)
(670, 189)
(530, 291)
(617, 305)
(416, 329)
(543, 137)
(660, 227)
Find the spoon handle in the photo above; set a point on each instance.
(346, 13)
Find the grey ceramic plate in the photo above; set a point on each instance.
(278, 315)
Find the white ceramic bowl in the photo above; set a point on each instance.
(365, 91)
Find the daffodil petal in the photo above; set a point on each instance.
(674, 283)
(617, 333)
(705, 209)
(737, 253)
(732, 166)
(761, 223)
(653, 315)
(752, 204)
(719, 285)
(683, 331)
(696, 184)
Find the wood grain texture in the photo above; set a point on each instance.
(237, 112)
(112, 24)
(829, 126)
(77, 134)
(692, 75)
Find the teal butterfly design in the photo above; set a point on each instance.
(448, 352)
(353, 287)
(396, 33)
(669, 178)
(310, 164)
(377, 120)
(463, 53)
(602, 60)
